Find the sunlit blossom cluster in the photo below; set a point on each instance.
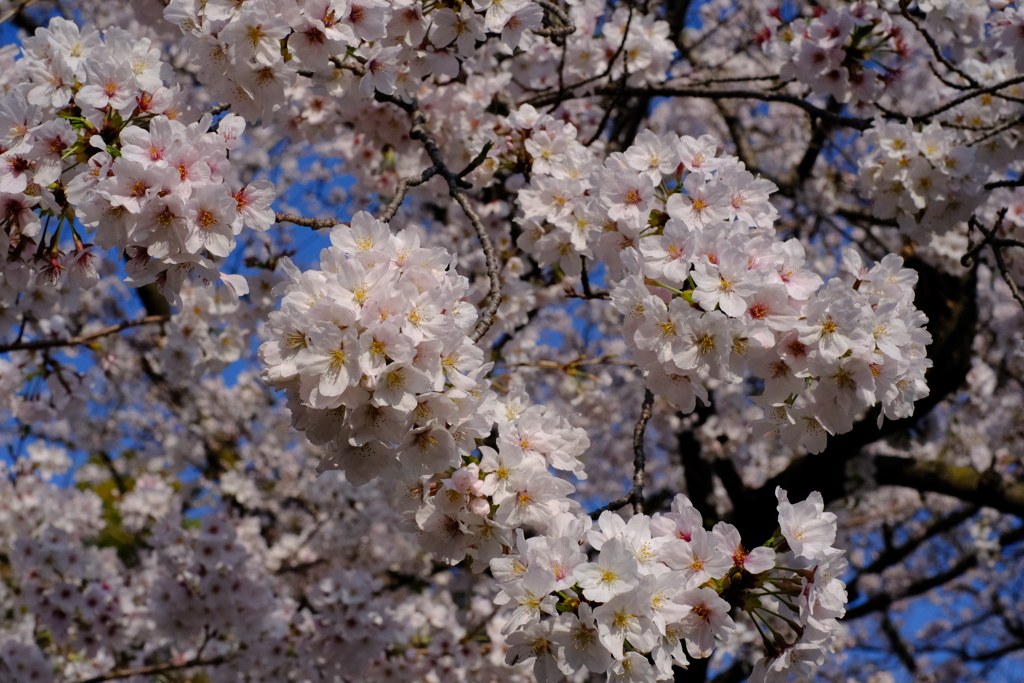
(224, 460)
(373, 351)
(478, 509)
(658, 584)
(923, 176)
(249, 55)
(93, 139)
(854, 54)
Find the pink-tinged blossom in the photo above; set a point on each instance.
(698, 559)
(754, 561)
(111, 83)
(707, 620)
(209, 215)
(537, 642)
(527, 17)
(725, 284)
(380, 74)
(702, 203)
(464, 29)
(628, 197)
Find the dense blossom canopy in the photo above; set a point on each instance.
(648, 341)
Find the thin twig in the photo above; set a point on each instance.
(921, 118)
(636, 493)
(315, 223)
(401, 190)
(936, 50)
(610, 108)
(457, 186)
(996, 244)
(996, 131)
(596, 294)
(607, 359)
(557, 96)
(82, 339)
(1018, 182)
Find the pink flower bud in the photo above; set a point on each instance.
(479, 506)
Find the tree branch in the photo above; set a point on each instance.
(1017, 182)
(934, 46)
(315, 223)
(894, 554)
(965, 563)
(636, 493)
(156, 669)
(15, 13)
(996, 244)
(966, 483)
(82, 339)
(401, 190)
(567, 27)
(712, 94)
(899, 646)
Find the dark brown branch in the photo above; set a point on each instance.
(1018, 182)
(16, 11)
(567, 27)
(315, 223)
(997, 252)
(636, 493)
(824, 115)
(639, 457)
(156, 669)
(923, 118)
(565, 91)
(891, 556)
(996, 131)
(401, 190)
(951, 306)
(739, 136)
(965, 563)
(899, 646)
(819, 134)
(966, 483)
(712, 94)
(936, 50)
(82, 339)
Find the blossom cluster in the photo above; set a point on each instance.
(853, 54)
(574, 206)
(93, 138)
(250, 55)
(923, 176)
(657, 584)
(479, 508)
(373, 352)
(706, 288)
(824, 354)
